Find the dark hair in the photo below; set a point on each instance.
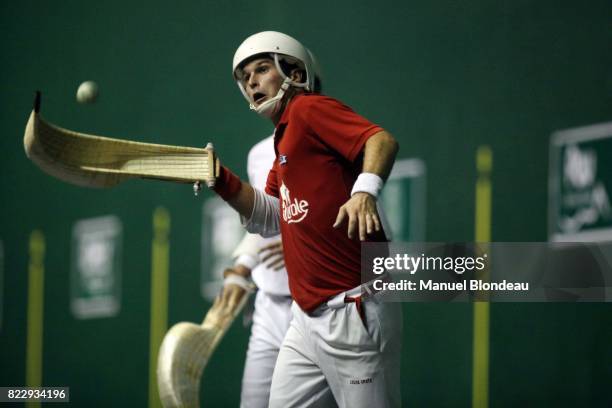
(287, 67)
(318, 85)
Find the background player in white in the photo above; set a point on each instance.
(343, 344)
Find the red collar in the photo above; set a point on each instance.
(285, 116)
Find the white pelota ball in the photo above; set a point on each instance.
(87, 92)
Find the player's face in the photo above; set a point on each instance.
(261, 80)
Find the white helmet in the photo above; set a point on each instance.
(281, 47)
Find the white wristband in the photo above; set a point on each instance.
(241, 281)
(368, 183)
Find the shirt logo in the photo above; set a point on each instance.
(282, 159)
(294, 211)
(361, 381)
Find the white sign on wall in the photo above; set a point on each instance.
(95, 278)
(221, 234)
(580, 184)
(403, 200)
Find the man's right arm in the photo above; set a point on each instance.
(243, 201)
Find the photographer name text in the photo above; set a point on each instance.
(431, 285)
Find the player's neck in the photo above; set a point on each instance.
(289, 95)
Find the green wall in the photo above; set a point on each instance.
(444, 77)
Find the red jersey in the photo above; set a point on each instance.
(318, 142)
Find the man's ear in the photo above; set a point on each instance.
(297, 75)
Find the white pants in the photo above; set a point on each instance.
(329, 358)
(271, 320)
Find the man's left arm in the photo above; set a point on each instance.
(378, 157)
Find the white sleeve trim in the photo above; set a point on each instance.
(247, 260)
(265, 218)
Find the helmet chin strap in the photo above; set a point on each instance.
(272, 106)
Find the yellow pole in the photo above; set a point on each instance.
(480, 352)
(36, 284)
(160, 264)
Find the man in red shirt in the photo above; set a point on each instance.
(344, 343)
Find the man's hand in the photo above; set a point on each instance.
(361, 212)
(229, 299)
(272, 256)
